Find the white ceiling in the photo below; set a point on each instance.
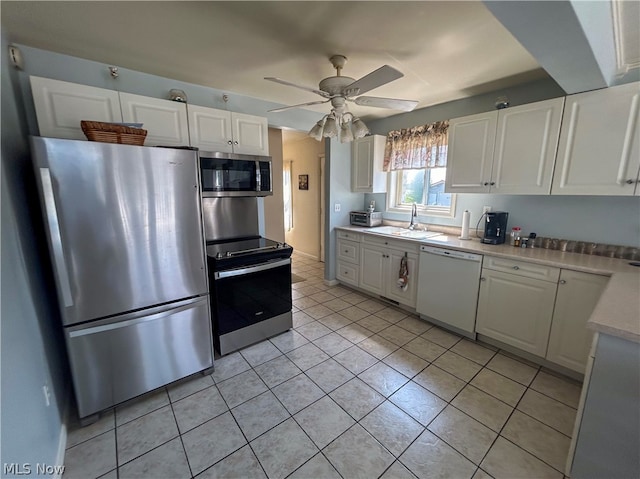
(446, 49)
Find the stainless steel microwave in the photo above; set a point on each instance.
(229, 174)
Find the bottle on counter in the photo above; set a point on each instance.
(514, 237)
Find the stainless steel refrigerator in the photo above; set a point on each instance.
(124, 228)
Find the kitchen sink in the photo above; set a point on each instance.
(418, 234)
(404, 232)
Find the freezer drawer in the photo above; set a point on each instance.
(112, 361)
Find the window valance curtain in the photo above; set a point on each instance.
(416, 148)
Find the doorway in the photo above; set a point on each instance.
(304, 184)
(322, 208)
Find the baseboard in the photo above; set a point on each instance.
(307, 255)
(331, 282)
(62, 438)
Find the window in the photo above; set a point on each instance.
(287, 193)
(424, 187)
(417, 161)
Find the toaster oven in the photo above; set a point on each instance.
(366, 218)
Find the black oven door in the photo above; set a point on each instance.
(245, 296)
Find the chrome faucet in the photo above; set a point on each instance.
(414, 215)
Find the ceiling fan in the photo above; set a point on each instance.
(339, 90)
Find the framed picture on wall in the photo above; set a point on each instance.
(303, 182)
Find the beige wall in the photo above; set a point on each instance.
(274, 205)
(304, 152)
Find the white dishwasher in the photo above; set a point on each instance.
(448, 284)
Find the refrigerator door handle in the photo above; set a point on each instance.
(131, 322)
(56, 239)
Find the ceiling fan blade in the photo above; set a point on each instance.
(376, 78)
(275, 110)
(284, 82)
(393, 103)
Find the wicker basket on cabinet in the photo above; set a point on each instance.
(112, 133)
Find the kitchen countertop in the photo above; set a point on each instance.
(618, 310)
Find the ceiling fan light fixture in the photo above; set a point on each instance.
(346, 135)
(316, 131)
(360, 130)
(330, 127)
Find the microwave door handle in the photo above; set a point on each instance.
(258, 177)
(56, 238)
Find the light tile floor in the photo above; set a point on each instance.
(357, 389)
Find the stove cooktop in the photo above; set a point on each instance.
(245, 251)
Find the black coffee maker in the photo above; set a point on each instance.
(495, 227)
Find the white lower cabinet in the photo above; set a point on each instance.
(348, 258)
(514, 308)
(539, 309)
(380, 267)
(570, 339)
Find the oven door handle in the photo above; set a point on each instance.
(252, 269)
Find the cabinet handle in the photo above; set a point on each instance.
(235, 142)
(486, 183)
(229, 142)
(563, 281)
(386, 242)
(630, 182)
(492, 183)
(516, 267)
(346, 251)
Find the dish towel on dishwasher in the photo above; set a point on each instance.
(403, 274)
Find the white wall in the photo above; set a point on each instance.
(274, 205)
(32, 346)
(303, 152)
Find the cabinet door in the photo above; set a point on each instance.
(470, 153)
(408, 296)
(372, 269)
(61, 106)
(516, 310)
(599, 148)
(210, 129)
(347, 273)
(250, 134)
(570, 339)
(367, 157)
(525, 151)
(164, 120)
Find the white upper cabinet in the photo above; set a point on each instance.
(221, 130)
(525, 151)
(470, 153)
(599, 152)
(164, 120)
(250, 134)
(510, 151)
(367, 157)
(61, 106)
(210, 129)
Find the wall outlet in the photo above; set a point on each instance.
(47, 395)
(485, 209)
(336, 207)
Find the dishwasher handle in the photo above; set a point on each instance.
(450, 253)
